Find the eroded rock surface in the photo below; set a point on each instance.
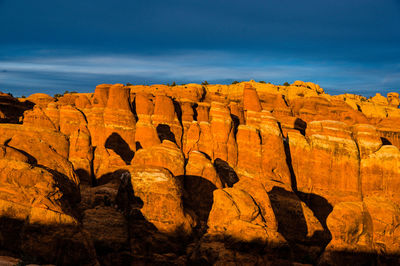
(246, 174)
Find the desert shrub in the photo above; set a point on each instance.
(286, 84)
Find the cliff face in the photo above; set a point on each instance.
(249, 173)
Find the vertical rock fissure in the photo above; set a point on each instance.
(359, 179)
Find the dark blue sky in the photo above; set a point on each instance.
(345, 46)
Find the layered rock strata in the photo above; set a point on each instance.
(248, 173)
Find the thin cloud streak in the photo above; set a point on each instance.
(65, 71)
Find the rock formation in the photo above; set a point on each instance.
(249, 174)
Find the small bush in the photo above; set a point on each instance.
(204, 83)
(173, 84)
(235, 82)
(262, 81)
(129, 84)
(286, 84)
(57, 95)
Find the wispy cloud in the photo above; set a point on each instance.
(60, 71)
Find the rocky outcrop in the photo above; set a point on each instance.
(249, 151)
(40, 99)
(247, 173)
(30, 192)
(100, 96)
(70, 119)
(367, 139)
(273, 159)
(166, 120)
(119, 122)
(166, 155)
(38, 118)
(37, 214)
(393, 99)
(251, 101)
(146, 133)
(222, 132)
(200, 180)
(81, 154)
(235, 214)
(143, 105)
(380, 173)
(326, 141)
(351, 227)
(161, 194)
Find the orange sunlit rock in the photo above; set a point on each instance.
(249, 173)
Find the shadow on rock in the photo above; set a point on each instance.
(116, 143)
(12, 109)
(164, 132)
(199, 195)
(358, 258)
(226, 250)
(300, 125)
(293, 226)
(37, 243)
(226, 173)
(319, 205)
(148, 244)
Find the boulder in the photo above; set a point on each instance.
(166, 155)
(31, 193)
(235, 214)
(40, 99)
(161, 194)
(351, 227)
